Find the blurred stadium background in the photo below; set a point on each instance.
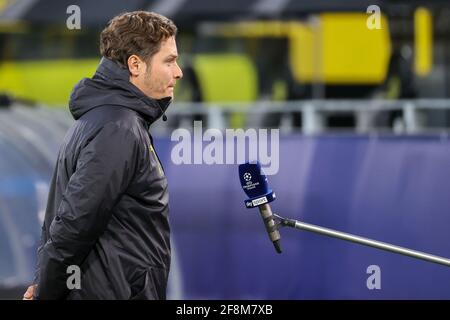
(364, 147)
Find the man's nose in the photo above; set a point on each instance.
(178, 72)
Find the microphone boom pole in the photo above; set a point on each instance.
(255, 185)
(360, 240)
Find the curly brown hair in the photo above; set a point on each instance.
(137, 32)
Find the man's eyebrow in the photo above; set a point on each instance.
(171, 56)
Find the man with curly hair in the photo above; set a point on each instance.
(107, 210)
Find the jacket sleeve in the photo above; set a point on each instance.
(44, 237)
(43, 240)
(104, 169)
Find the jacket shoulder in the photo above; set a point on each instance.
(123, 118)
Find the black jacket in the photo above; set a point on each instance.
(107, 210)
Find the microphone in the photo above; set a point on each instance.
(166, 100)
(255, 185)
(164, 117)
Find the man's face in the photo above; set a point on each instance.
(157, 79)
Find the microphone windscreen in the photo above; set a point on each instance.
(253, 180)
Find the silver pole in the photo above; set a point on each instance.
(366, 241)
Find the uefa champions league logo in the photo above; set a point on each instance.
(247, 176)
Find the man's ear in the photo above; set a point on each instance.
(135, 65)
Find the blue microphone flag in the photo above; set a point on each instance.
(255, 184)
